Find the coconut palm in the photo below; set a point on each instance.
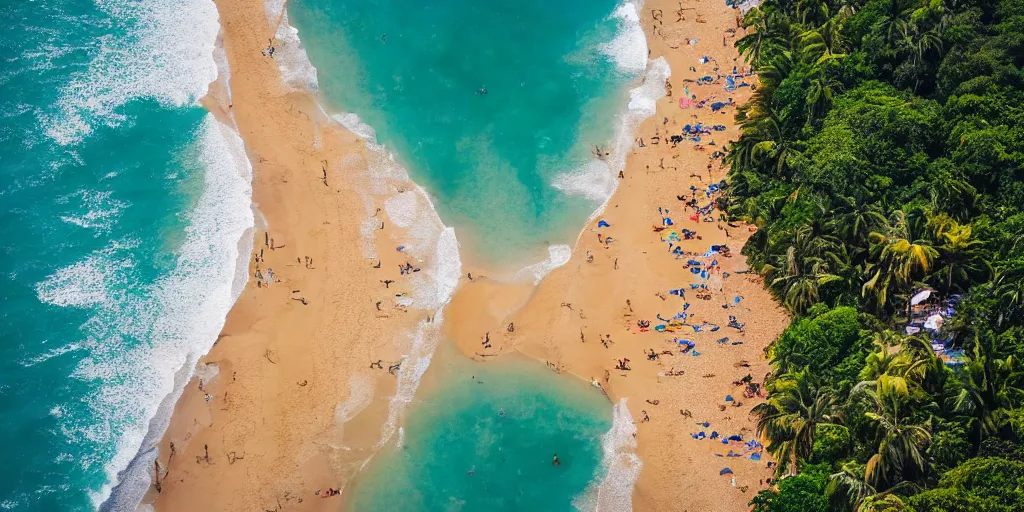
(1008, 288)
(962, 257)
(902, 445)
(797, 403)
(856, 219)
(897, 258)
(990, 387)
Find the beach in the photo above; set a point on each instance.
(579, 305)
(301, 390)
(292, 366)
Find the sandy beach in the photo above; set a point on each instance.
(606, 288)
(297, 406)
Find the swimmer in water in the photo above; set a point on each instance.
(555, 462)
(501, 412)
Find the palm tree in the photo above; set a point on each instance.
(895, 22)
(797, 403)
(819, 95)
(899, 459)
(797, 273)
(1008, 288)
(920, 43)
(990, 387)
(897, 258)
(856, 219)
(952, 195)
(774, 149)
(893, 372)
(963, 257)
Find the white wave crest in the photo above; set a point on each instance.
(144, 340)
(165, 56)
(84, 283)
(628, 50)
(296, 70)
(558, 255)
(598, 180)
(428, 241)
(621, 465)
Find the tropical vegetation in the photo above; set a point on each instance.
(882, 153)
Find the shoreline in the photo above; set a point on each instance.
(291, 465)
(564, 321)
(267, 429)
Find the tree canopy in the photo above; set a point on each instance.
(882, 153)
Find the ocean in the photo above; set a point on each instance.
(494, 108)
(484, 437)
(125, 204)
(128, 223)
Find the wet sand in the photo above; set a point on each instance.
(294, 358)
(297, 408)
(565, 319)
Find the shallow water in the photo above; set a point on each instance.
(483, 438)
(494, 108)
(415, 71)
(124, 206)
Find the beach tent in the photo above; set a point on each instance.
(920, 297)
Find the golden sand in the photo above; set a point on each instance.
(576, 306)
(297, 407)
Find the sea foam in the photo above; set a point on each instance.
(597, 181)
(297, 72)
(165, 55)
(144, 340)
(558, 255)
(426, 239)
(628, 50)
(620, 463)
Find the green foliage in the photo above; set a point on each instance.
(982, 483)
(950, 446)
(821, 343)
(954, 500)
(883, 152)
(883, 503)
(800, 493)
(831, 443)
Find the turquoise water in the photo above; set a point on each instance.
(511, 170)
(110, 174)
(460, 453)
(412, 71)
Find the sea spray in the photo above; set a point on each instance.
(620, 461)
(597, 181)
(166, 55)
(558, 255)
(180, 317)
